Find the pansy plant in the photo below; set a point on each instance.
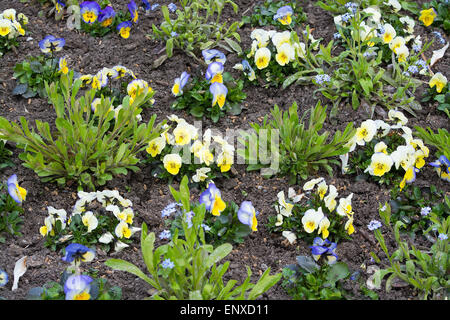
(12, 26)
(316, 212)
(181, 149)
(386, 151)
(215, 95)
(102, 218)
(224, 221)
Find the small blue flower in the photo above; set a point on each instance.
(205, 227)
(173, 34)
(188, 219)
(442, 236)
(413, 69)
(172, 7)
(3, 278)
(165, 234)
(321, 78)
(346, 17)
(154, 7)
(169, 209)
(337, 35)
(167, 264)
(373, 225)
(416, 47)
(425, 211)
(421, 63)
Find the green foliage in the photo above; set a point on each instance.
(88, 148)
(198, 27)
(195, 274)
(357, 79)
(5, 155)
(32, 74)
(406, 207)
(198, 99)
(426, 269)
(439, 139)
(442, 99)
(302, 151)
(442, 8)
(263, 15)
(100, 289)
(10, 212)
(306, 280)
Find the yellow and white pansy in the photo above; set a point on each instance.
(311, 219)
(380, 164)
(90, 221)
(381, 147)
(172, 163)
(402, 53)
(5, 27)
(122, 230)
(285, 54)
(322, 189)
(280, 38)
(396, 43)
(311, 184)
(374, 15)
(262, 58)
(201, 174)
(324, 224)
(403, 156)
(439, 81)
(349, 225)
(366, 132)
(389, 33)
(284, 208)
(155, 146)
(225, 161)
(261, 37)
(345, 206)
(330, 199)
(394, 4)
(409, 22)
(182, 134)
(398, 117)
(9, 14)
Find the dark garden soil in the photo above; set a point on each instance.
(150, 195)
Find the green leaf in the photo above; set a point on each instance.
(234, 45)
(122, 265)
(337, 271)
(20, 89)
(169, 47)
(218, 254)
